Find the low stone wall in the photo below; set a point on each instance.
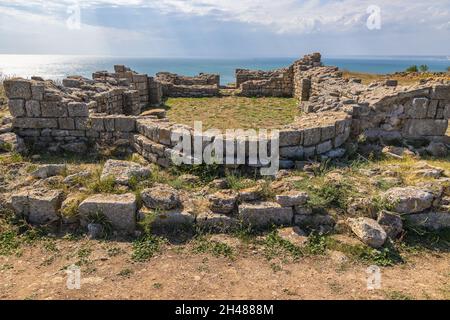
(287, 82)
(203, 85)
(50, 119)
(418, 113)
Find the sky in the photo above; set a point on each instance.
(225, 28)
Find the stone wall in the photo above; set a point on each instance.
(287, 82)
(203, 85)
(52, 120)
(420, 113)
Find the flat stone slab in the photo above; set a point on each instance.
(123, 171)
(409, 199)
(39, 206)
(292, 198)
(119, 210)
(265, 214)
(161, 196)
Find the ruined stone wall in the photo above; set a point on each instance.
(287, 82)
(391, 116)
(52, 120)
(203, 85)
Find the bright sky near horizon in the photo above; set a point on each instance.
(224, 28)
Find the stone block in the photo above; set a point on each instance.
(324, 147)
(215, 222)
(292, 152)
(33, 108)
(53, 109)
(418, 108)
(125, 124)
(37, 91)
(17, 89)
(82, 123)
(425, 127)
(441, 92)
(167, 221)
(328, 133)
(38, 206)
(290, 138)
(311, 136)
(77, 109)
(17, 107)
(35, 123)
(119, 210)
(66, 123)
(123, 171)
(265, 214)
(292, 198)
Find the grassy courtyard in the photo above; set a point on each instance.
(231, 112)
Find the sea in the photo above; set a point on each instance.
(56, 67)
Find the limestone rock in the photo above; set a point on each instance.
(219, 184)
(223, 202)
(368, 231)
(409, 199)
(38, 206)
(162, 197)
(249, 194)
(123, 171)
(430, 220)
(391, 222)
(76, 177)
(437, 149)
(322, 222)
(49, 170)
(292, 198)
(119, 210)
(265, 214)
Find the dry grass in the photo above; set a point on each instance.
(233, 112)
(403, 79)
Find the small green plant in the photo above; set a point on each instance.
(99, 218)
(9, 243)
(146, 247)
(274, 246)
(423, 68)
(126, 273)
(316, 244)
(413, 68)
(217, 249)
(397, 295)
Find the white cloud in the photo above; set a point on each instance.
(286, 16)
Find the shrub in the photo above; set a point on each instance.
(412, 69)
(423, 68)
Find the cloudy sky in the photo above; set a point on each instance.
(224, 28)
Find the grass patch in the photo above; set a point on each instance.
(204, 245)
(146, 247)
(233, 112)
(409, 79)
(276, 246)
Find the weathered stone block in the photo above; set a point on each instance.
(174, 220)
(309, 152)
(17, 89)
(418, 108)
(265, 214)
(66, 123)
(324, 147)
(328, 133)
(33, 108)
(38, 206)
(81, 123)
(109, 124)
(215, 222)
(409, 199)
(35, 123)
(311, 136)
(17, 107)
(425, 127)
(441, 92)
(292, 152)
(119, 210)
(125, 124)
(37, 91)
(290, 137)
(77, 109)
(368, 231)
(53, 109)
(314, 221)
(96, 123)
(432, 109)
(292, 198)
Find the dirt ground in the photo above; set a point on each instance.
(179, 272)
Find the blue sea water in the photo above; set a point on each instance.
(57, 67)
